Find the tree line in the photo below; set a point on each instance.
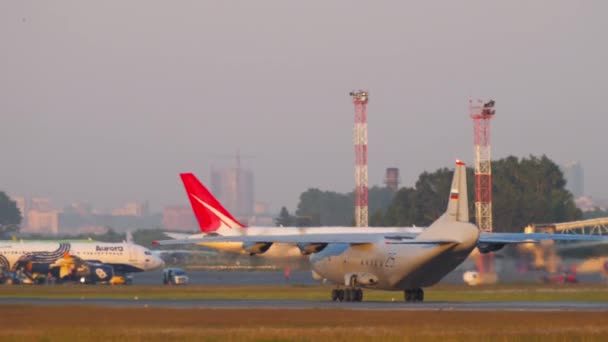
(524, 190)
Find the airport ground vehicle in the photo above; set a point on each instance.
(5, 277)
(122, 279)
(566, 277)
(19, 277)
(175, 276)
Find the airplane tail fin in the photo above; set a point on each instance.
(210, 214)
(458, 203)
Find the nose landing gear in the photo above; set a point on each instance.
(351, 293)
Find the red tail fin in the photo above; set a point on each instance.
(211, 215)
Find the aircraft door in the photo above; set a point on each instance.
(132, 253)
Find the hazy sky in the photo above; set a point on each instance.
(108, 101)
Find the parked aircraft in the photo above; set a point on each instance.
(397, 261)
(215, 220)
(87, 262)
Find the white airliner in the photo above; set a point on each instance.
(81, 261)
(215, 220)
(398, 261)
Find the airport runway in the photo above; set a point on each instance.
(215, 278)
(304, 304)
(274, 278)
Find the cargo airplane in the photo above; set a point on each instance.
(397, 261)
(85, 262)
(215, 220)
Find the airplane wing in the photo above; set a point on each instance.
(512, 238)
(389, 238)
(356, 238)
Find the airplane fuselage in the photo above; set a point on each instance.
(125, 257)
(386, 265)
(287, 250)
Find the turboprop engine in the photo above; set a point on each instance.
(256, 247)
(485, 248)
(309, 248)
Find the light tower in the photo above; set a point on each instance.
(482, 113)
(360, 99)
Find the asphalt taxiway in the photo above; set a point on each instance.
(299, 277)
(305, 304)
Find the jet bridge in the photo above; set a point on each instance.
(596, 226)
(544, 255)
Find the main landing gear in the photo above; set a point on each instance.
(414, 295)
(349, 294)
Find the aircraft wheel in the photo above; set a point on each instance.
(410, 295)
(341, 295)
(420, 295)
(348, 295)
(334, 295)
(359, 293)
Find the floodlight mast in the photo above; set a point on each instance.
(482, 112)
(360, 100)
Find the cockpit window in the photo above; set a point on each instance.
(147, 253)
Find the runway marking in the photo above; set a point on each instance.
(318, 305)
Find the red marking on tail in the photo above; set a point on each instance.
(207, 220)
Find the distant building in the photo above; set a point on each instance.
(261, 221)
(132, 209)
(23, 208)
(41, 204)
(43, 222)
(79, 208)
(261, 208)
(234, 188)
(586, 203)
(392, 178)
(573, 173)
(91, 229)
(179, 218)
